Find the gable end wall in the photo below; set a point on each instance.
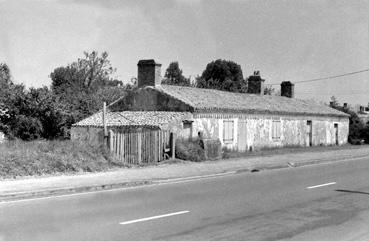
(148, 99)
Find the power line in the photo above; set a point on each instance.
(335, 94)
(326, 78)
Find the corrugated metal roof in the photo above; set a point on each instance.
(134, 118)
(217, 100)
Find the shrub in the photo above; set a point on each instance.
(27, 128)
(212, 148)
(189, 150)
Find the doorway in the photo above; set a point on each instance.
(309, 133)
(336, 133)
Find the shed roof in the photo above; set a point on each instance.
(216, 100)
(133, 119)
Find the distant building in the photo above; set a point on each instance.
(363, 114)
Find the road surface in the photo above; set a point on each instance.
(318, 202)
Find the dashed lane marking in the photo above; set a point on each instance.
(322, 185)
(153, 217)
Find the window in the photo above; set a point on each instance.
(187, 129)
(276, 129)
(228, 131)
(187, 124)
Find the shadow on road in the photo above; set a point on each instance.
(349, 191)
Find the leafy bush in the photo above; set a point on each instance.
(189, 150)
(19, 158)
(28, 128)
(212, 148)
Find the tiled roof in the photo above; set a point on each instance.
(134, 118)
(216, 100)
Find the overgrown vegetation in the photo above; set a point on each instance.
(19, 158)
(77, 91)
(189, 150)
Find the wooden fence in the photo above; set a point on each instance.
(139, 146)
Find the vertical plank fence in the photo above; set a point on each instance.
(138, 146)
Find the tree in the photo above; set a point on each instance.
(81, 87)
(88, 73)
(223, 75)
(11, 98)
(5, 76)
(43, 105)
(173, 76)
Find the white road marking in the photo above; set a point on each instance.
(180, 179)
(322, 185)
(153, 217)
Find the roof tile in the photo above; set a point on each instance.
(134, 118)
(217, 100)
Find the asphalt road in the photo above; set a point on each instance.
(318, 202)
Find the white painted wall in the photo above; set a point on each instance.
(259, 129)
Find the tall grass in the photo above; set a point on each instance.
(19, 158)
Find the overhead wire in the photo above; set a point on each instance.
(327, 78)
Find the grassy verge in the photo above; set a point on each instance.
(18, 158)
(227, 153)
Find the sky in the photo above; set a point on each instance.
(290, 40)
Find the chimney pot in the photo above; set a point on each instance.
(149, 73)
(288, 89)
(255, 84)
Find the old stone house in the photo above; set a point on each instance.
(241, 121)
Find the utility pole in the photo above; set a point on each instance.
(104, 125)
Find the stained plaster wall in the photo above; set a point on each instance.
(259, 130)
(148, 99)
(91, 135)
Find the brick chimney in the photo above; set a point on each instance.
(255, 84)
(149, 73)
(287, 89)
